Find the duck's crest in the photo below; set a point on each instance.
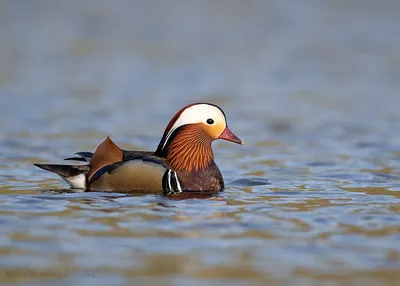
(106, 153)
(171, 123)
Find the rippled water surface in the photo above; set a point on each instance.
(312, 198)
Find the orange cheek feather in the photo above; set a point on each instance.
(214, 130)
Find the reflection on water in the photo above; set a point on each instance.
(313, 198)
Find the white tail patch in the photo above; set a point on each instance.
(76, 182)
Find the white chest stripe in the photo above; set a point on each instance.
(176, 180)
(169, 179)
(177, 183)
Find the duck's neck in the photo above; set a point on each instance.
(190, 151)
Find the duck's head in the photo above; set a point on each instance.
(190, 133)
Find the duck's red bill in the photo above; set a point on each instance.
(228, 135)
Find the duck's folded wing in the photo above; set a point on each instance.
(140, 173)
(81, 156)
(127, 155)
(132, 155)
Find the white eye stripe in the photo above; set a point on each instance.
(198, 113)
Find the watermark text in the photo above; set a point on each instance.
(51, 272)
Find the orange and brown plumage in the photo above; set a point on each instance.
(190, 150)
(183, 161)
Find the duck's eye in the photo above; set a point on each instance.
(210, 121)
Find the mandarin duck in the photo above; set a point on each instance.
(183, 160)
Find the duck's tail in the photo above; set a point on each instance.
(74, 175)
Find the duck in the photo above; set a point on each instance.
(182, 162)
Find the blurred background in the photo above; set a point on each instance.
(312, 87)
(94, 62)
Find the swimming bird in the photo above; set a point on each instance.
(183, 161)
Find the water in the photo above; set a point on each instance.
(312, 198)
